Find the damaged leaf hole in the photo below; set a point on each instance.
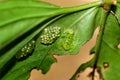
(84, 74)
(118, 46)
(89, 74)
(78, 75)
(96, 74)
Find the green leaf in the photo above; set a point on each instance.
(42, 55)
(18, 11)
(109, 53)
(14, 12)
(22, 21)
(73, 31)
(22, 69)
(12, 52)
(108, 56)
(19, 18)
(11, 32)
(17, 23)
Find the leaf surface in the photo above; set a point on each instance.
(108, 58)
(20, 18)
(23, 20)
(109, 53)
(74, 28)
(42, 57)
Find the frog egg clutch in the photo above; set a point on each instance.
(26, 50)
(50, 34)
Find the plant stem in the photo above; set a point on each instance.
(65, 10)
(106, 6)
(99, 41)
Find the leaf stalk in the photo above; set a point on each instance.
(99, 41)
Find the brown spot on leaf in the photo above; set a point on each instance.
(84, 74)
(105, 64)
(78, 75)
